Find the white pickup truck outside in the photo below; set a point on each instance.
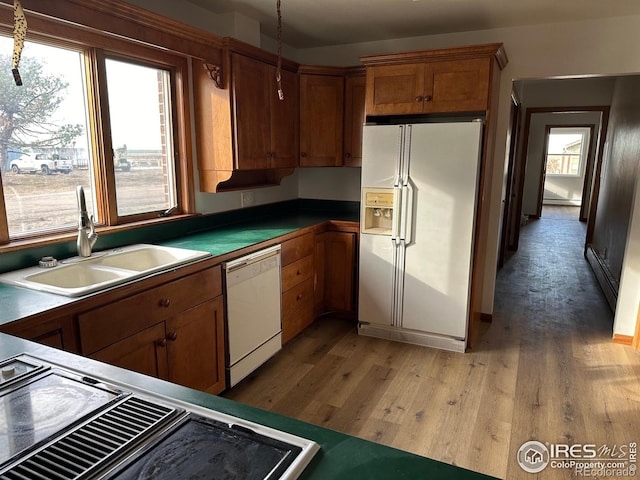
(41, 162)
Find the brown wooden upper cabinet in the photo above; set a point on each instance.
(246, 137)
(321, 120)
(431, 81)
(266, 128)
(354, 98)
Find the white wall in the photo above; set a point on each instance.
(329, 183)
(585, 48)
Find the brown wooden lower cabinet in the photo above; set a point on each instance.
(55, 332)
(195, 347)
(174, 331)
(144, 352)
(335, 272)
(187, 349)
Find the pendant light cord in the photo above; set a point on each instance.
(279, 66)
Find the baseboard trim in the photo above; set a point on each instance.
(622, 339)
(486, 317)
(412, 336)
(607, 281)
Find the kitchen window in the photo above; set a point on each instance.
(110, 119)
(566, 151)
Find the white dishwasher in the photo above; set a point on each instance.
(253, 311)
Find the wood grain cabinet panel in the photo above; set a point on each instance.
(433, 87)
(144, 352)
(296, 248)
(297, 285)
(174, 331)
(266, 128)
(354, 100)
(105, 325)
(297, 309)
(195, 347)
(297, 272)
(321, 120)
(57, 332)
(335, 272)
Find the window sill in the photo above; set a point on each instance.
(71, 235)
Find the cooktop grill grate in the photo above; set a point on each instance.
(78, 452)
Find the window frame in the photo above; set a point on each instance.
(98, 46)
(584, 152)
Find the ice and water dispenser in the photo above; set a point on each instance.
(377, 211)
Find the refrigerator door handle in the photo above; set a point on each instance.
(397, 213)
(406, 155)
(397, 181)
(406, 222)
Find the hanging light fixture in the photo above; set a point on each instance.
(19, 34)
(279, 66)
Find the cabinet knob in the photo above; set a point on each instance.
(172, 337)
(299, 297)
(269, 154)
(161, 343)
(428, 98)
(419, 98)
(165, 302)
(303, 154)
(299, 272)
(347, 155)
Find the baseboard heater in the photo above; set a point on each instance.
(607, 281)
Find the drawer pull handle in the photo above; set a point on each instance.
(299, 272)
(172, 336)
(299, 297)
(161, 343)
(165, 302)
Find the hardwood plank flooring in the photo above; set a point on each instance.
(545, 369)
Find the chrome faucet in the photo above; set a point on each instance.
(87, 235)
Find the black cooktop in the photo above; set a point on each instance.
(205, 449)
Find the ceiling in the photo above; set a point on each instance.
(317, 23)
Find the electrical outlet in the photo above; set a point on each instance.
(247, 199)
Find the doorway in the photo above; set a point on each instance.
(567, 168)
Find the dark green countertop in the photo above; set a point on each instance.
(341, 457)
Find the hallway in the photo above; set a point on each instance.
(545, 369)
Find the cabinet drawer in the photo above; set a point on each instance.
(297, 320)
(296, 248)
(297, 272)
(106, 325)
(299, 295)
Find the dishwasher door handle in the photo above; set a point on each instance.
(251, 258)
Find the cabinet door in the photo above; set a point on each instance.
(145, 352)
(395, 89)
(321, 112)
(55, 332)
(339, 270)
(195, 347)
(457, 86)
(354, 98)
(285, 119)
(252, 121)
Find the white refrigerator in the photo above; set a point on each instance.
(418, 210)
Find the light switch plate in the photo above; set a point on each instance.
(247, 199)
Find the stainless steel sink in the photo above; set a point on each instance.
(78, 276)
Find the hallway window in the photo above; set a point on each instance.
(566, 150)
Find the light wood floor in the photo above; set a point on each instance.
(545, 369)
